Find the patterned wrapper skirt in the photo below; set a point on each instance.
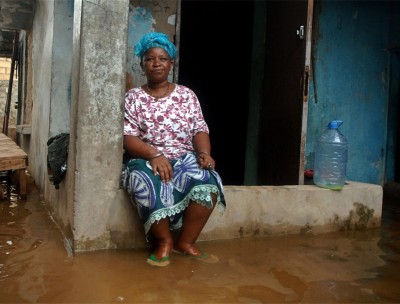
(156, 200)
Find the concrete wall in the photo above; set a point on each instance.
(60, 201)
(98, 88)
(42, 53)
(48, 77)
(61, 67)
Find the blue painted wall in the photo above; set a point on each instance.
(353, 43)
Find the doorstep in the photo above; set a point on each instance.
(297, 209)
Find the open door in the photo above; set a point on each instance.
(248, 62)
(283, 107)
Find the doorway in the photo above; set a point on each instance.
(281, 132)
(215, 61)
(397, 148)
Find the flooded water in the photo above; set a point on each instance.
(349, 267)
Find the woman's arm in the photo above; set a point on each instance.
(137, 148)
(202, 146)
(201, 143)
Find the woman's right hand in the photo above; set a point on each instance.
(159, 163)
(161, 166)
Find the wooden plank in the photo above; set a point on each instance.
(12, 164)
(9, 149)
(22, 183)
(12, 157)
(13, 152)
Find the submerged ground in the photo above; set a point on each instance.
(348, 267)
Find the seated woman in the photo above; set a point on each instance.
(169, 173)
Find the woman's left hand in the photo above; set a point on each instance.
(206, 161)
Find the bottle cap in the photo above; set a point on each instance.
(334, 124)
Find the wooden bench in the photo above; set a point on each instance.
(12, 157)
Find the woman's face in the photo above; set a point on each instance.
(156, 64)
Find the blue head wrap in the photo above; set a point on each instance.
(155, 39)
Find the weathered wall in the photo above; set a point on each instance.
(50, 99)
(98, 87)
(59, 200)
(61, 68)
(353, 42)
(42, 53)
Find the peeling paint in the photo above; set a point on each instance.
(172, 19)
(140, 21)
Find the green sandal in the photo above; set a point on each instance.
(153, 261)
(203, 257)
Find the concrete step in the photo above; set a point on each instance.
(297, 209)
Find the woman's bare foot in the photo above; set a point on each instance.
(188, 249)
(162, 250)
(160, 256)
(192, 251)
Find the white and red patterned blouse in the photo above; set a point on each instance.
(168, 124)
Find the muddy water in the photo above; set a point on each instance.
(352, 267)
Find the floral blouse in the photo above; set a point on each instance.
(168, 124)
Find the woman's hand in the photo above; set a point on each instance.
(201, 144)
(159, 163)
(162, 167)
(205, 161)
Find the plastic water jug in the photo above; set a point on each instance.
(331, 158)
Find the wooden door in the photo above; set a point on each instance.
(283, 107)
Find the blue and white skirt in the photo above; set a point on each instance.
(156, 200)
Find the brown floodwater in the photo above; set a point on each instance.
(347, 267)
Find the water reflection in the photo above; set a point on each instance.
(352, 267)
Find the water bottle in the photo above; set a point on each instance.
(331, 158)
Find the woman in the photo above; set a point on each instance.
(169, 173)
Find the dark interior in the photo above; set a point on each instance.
(215, 61)
(397, 149)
